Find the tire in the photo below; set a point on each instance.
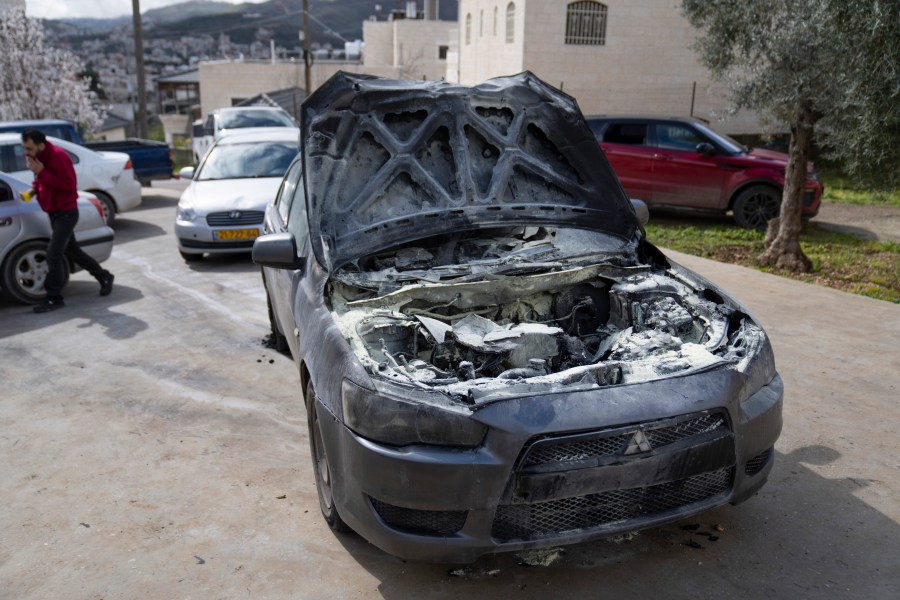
(108, 206)
(279, 339)
(756, 205)
(190, 257)
(322, 469)
(25, 270)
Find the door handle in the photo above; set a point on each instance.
(6, 222)
(662, 156)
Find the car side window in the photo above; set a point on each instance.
(6, 193)
(674, 136)
(634, 134)
(15, 159)
(286, 194)
(75, 159)
(297, 221)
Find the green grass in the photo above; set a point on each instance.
(840, 260)
(839, 189)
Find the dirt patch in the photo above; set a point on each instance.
(869, 221)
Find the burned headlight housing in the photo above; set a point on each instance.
(388, 418)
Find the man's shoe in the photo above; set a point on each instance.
(48, 305)
(106, 283)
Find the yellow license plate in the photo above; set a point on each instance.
(235, 234)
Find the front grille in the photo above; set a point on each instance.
(235, 217)
(531, 521)
(242, 245)
(422, 522)
(756, 464)
(588, 449)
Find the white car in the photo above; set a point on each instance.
(107, 175)
(222, 209)
(25, 232)
(236, 119)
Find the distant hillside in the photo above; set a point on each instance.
(184, 10)
(333, 21)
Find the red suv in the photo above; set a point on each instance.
(675, 161)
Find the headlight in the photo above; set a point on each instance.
(391, 420)
(186, 212)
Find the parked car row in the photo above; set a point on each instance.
(107, 175)
(491, 353)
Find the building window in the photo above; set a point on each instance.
(586, 23)
(510, 23)
(469, 28)
(495, 21)
(442, 52)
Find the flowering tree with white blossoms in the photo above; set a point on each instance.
(40, 82)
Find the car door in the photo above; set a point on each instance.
(682, 176)
(627, 147)
(10, 220)
(280, 283)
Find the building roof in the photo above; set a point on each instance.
(289, 99)
(113, 121)
(191, 76)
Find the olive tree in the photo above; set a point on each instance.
(38, 81)
(826, 68)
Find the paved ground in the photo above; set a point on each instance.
(153, 448)
(875, 222)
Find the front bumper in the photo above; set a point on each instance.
(453, 505)
(196, 237)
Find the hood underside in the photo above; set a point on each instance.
(388, 162)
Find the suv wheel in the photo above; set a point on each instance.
(755, 205)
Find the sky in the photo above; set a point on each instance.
(98, 9)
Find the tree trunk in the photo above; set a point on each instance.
(783, 234)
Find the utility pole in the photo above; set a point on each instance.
(141, 117)
(306, 57)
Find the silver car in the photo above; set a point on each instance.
(25, 232)
(222, 210)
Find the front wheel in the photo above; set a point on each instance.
(278, 338)
(756, 205)
(25, 271)
(321, 467)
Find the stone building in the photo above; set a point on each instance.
(615, 56)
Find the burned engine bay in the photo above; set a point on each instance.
(529, 310)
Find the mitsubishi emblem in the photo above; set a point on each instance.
(639, 443)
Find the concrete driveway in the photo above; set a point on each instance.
(152, 447)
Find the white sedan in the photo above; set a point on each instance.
(222, 209)
(107, 175)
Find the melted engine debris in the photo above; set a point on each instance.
(480, 319)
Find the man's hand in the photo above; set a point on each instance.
(34, 165)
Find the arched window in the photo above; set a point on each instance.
(510, 22)
(469, 28)
(586, 23)
(495, 21)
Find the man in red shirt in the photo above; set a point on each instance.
(57, 193)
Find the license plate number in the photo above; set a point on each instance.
(235, 234)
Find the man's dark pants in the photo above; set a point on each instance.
(63, 244)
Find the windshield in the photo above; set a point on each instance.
(245, 161)
(256, 118)
(723, 140)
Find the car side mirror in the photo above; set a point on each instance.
(641, 210)
(278, 251)
(706, 149)
(186, 173)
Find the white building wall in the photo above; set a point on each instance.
(406, 48)
(645, 67)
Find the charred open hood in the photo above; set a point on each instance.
(388, 162)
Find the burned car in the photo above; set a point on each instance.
(492, 355)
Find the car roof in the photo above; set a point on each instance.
(34, 122)
(230, 109)
(251, 135)
(643, 118)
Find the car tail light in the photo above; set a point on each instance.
(99, 208)
(128, 165)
